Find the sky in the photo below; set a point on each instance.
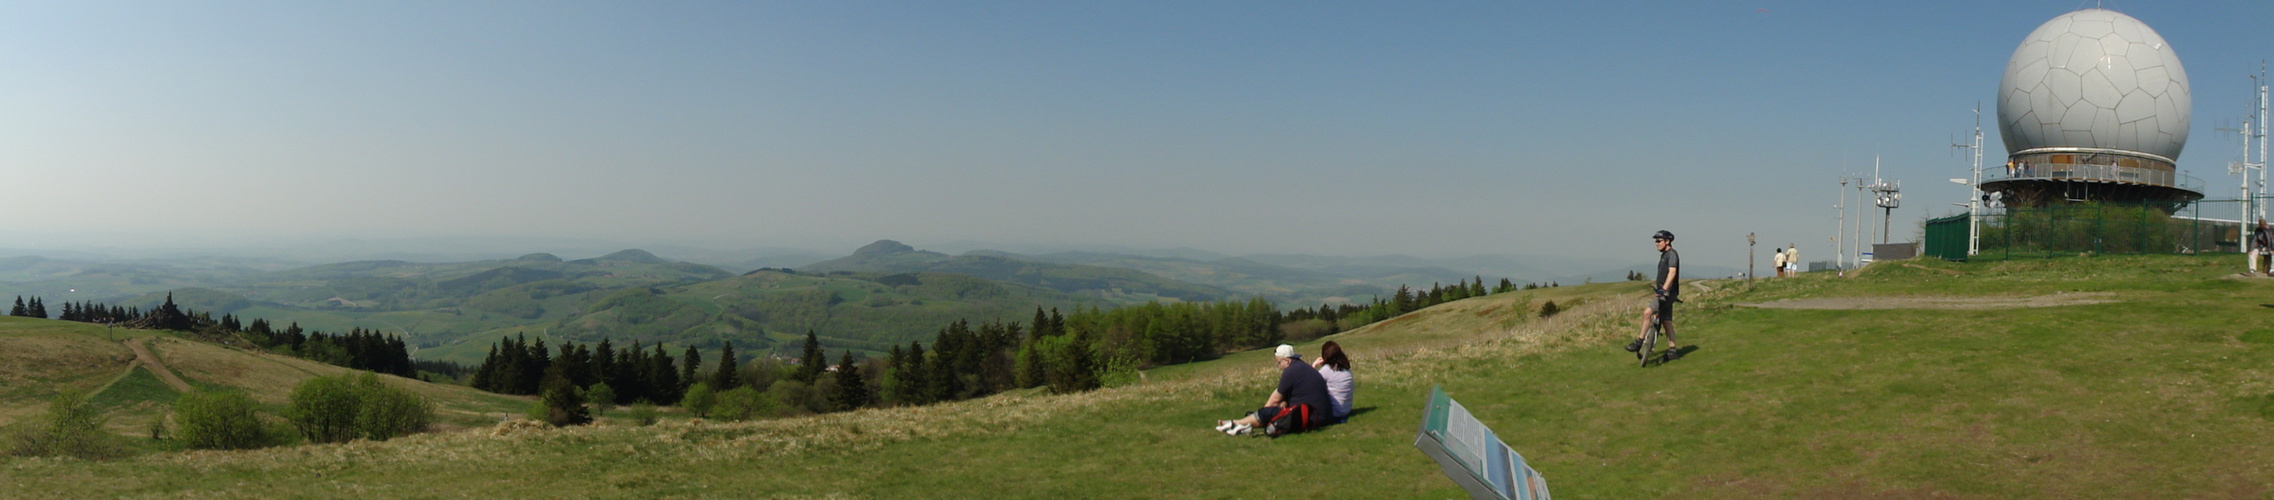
(1362, 128)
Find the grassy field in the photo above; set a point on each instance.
(2161, 389)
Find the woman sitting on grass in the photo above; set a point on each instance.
(1335, 367)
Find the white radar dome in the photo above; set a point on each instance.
(2095, 79)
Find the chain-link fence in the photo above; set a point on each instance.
(2207, 226)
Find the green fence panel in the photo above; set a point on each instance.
(2068, 229)
(1946, 238)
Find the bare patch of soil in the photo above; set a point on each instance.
(1919, 302)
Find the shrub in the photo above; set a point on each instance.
(602, 398)
(644, 413)
(323, 409)
(561, 405)
(219, 421)
(389, 412)
(339, 408)
(744, 403)
(791, 397)
(1299, 331)
(699, 399)
(71, 428)
(1549, 309)
(1117, 372)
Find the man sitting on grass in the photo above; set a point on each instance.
(1300, 403)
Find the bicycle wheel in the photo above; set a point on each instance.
(1649, 342)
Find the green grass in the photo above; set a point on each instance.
(2165, 393)
(138, 386)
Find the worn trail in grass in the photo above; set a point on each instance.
(2163, 392)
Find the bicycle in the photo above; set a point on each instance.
(1649, 341)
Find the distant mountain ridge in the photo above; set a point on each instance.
(887, 256)
(884, 292)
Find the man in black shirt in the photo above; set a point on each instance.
(1301, 390)
(1667, 287)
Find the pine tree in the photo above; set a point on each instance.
(910, 377)
(852, 390)
(1029, 370)
(484, 375)
(725, 379)
(1077, 370)
(563, 405)
(19, 310)
(663, 381)
(604, 363)
(813, 361)
(690, 364)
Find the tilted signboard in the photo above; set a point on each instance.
(1473, 456)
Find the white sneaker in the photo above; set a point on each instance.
(1240, 430)
(1225, 425)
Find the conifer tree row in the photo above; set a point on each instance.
(633, 374)
(33, 309)
(357, 348)
(1064, 352)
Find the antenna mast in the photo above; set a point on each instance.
(1974, 203)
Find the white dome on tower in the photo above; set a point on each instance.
(2095, 79)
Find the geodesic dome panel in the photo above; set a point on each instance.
(2095, 79)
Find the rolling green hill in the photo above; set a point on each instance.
(428, 303)
(2082, 377)
(772, 310)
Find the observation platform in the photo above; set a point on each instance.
(2037, 177)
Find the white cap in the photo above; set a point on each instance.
(1286, 351)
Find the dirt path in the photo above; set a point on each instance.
(150, 361)
(2054, 300)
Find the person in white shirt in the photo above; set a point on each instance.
(1335, 366)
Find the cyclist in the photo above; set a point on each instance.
(1667, 289)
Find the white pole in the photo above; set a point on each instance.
(1863, 218)
(1840, 256)
(1974, 204)
(2259, 210)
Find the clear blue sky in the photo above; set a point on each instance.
(1570, 128)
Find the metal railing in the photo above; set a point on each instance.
(2097, 173)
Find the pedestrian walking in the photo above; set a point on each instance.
(1777, 262)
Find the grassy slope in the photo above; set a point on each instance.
(44, 357)
(2165, 393)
